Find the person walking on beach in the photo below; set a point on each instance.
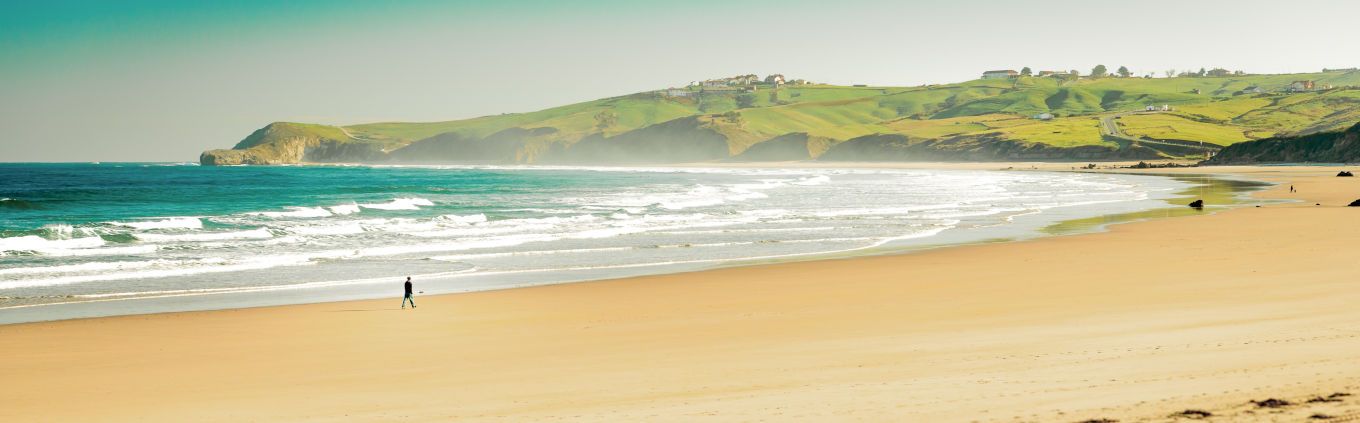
(410, 296)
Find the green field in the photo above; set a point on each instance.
(1164, 126)
(1210, 109)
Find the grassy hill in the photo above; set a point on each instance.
(1341, 146)
(703, 123)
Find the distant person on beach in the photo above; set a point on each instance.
(410, 295)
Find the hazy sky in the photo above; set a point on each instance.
(164, 80)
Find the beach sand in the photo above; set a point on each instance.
(1134, 324)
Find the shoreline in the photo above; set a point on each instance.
(1134, 323)
(336, 291)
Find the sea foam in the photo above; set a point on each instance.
(260, 233)
(344, 209)
(171, 223)
(295, 212)
(399, 204)
(40, 244)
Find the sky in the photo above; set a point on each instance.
(164, 80)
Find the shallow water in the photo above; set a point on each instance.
(85, 239)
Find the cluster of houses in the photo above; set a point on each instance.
(1008, 74)
(1000, 74)
(1294, 87)
(1299, 86)
(748, 80)
(1162, 108)
(739, 83)
(734, 81)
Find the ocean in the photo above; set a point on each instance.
(80, 240)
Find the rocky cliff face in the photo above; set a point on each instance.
(1327, 147)
(289, 143)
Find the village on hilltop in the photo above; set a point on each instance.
(739, 83)
(1101, 72)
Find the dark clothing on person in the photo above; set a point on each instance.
(411, 297)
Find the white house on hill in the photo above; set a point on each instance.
(1300, 86)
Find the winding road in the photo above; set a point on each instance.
(1110, 128)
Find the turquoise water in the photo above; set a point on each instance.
(99, 239)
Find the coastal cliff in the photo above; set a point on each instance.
(1325, 147)
(290, 143)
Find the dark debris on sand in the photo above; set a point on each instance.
(1099, 421)
(1320, 416)
(1272, 403)
(1193, 414)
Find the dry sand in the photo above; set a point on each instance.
(1148, 319)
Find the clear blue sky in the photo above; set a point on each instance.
(164, 80)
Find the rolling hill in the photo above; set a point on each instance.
(990, 119)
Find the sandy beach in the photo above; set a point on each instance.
(1137, 323)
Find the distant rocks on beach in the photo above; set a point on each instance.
(1146, 165)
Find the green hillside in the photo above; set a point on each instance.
(1219, 111)
(1340, 146)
